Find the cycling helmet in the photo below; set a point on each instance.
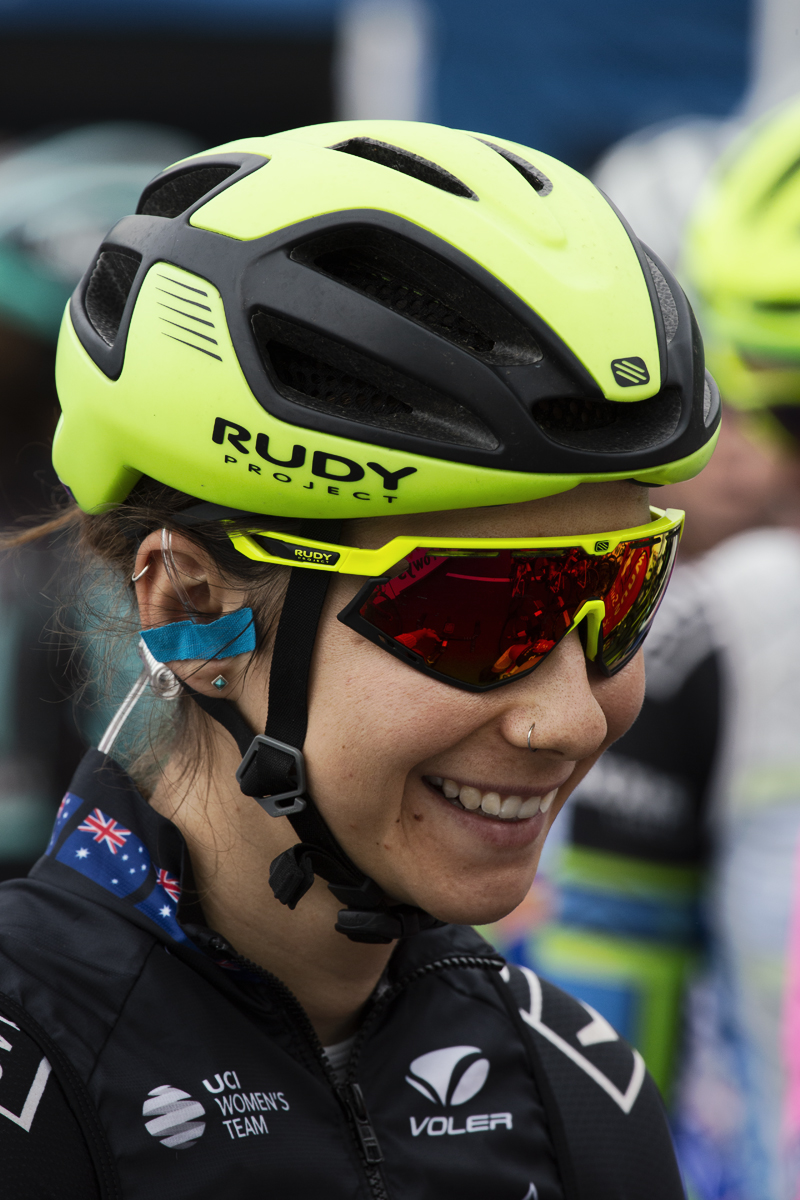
(360, 318)
(329, 321)
(742, 260)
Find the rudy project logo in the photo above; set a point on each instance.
(449, 1076)
(322, 464)
(173, 1117)
(630, 372)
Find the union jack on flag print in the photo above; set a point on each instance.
(104, 850)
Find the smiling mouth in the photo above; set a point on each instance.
(490, 804)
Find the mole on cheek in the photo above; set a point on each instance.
(418, 817)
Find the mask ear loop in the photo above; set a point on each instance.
(163, 682)
(171, 567)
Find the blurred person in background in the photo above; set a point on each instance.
(673, 887)
(58, 197)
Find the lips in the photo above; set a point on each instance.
(492, 804)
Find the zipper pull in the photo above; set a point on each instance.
(354, 1101)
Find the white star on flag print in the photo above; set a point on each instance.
(67, 808)
(107, 852)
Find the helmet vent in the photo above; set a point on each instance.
(609, 426)
(108, 289)
(329, 377)
(536, 178)
(171, 197)
(406, 163)
(398, 274)
(666, 301)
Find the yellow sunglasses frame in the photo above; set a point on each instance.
(373, 564)
(353, 560)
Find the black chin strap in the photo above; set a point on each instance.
(272, 771)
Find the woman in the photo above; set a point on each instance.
(404, 362)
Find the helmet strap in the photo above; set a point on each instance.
(272, 771)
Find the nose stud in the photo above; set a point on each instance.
(530, 731)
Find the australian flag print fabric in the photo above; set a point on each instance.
(107, 849)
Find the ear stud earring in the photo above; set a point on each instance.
(219, 683)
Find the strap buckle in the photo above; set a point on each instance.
(285, 804)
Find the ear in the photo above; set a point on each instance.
(188, 586)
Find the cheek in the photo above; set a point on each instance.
(371, 720)
(621, 697)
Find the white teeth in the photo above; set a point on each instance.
(490, 804)
(470, 797)
(529, 808)
(510, 807)
(548, 800)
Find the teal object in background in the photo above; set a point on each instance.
(58, 198)
(30, 297)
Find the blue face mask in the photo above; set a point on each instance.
(232, 634)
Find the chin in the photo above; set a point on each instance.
(472, 910)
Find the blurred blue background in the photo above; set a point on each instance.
(569, 78)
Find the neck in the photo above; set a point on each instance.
(232, 843)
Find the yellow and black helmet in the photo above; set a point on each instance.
(342, 318)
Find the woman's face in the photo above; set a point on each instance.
(383, 740)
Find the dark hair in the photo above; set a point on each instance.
(99, 617)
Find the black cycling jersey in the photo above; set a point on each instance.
(142, 1057)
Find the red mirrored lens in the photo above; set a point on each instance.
(633, 601)
(483, 618)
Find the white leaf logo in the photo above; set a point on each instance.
(452, 1075)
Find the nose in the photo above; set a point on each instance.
(558, 697)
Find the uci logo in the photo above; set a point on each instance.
(450, 1077)
(173, 1117)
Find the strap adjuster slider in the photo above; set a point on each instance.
(284, 804)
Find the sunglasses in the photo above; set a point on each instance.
(478, 613)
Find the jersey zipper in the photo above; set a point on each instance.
(349, 1093)
(451, 962)
(382, 1002)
